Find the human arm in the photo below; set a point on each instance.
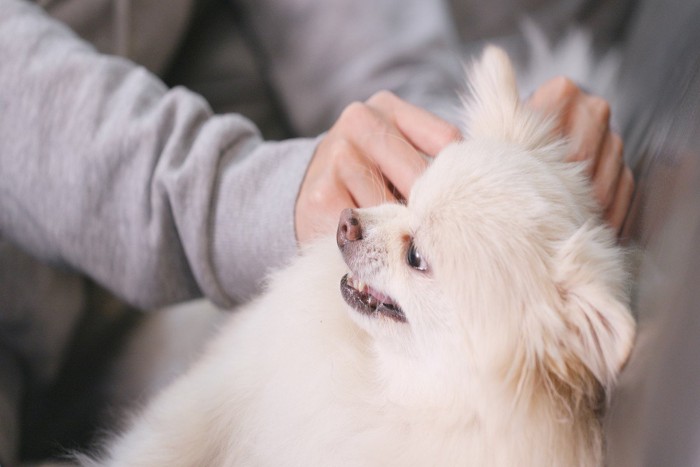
(106, 171)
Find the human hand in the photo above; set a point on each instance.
(585, 120)
(371, 155)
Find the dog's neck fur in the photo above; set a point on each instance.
(543, 409)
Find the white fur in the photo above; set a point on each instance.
(512, 335)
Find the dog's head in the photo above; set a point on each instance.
(498, 265)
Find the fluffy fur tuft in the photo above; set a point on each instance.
(493, 109)
(482, 323)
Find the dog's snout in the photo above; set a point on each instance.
(349, 228)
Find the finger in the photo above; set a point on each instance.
(324, 220)
(588, 127)
(364, 181)
(381, 142)
(623, 197)
(323, 194)
(398, 162)
(556, 97)
(609, 170)
(425, 130)
(582, 118)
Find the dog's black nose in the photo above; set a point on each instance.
(349, 228)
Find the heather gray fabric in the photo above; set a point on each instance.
(140, 187)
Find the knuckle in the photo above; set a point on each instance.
(382, 97)
(339, 152)
(453, 134)
(600, 107)
(354, 111)
(562, 87)
(317, 197)
(310, 198)
(579, 155)
(320, 195)
(342, 148)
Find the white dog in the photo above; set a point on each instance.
(481, 324)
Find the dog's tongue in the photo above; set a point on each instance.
(380, 297)
(375, 295)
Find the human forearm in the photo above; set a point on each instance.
(107, 171)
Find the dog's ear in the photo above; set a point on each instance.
(591, 281)
(493, 109)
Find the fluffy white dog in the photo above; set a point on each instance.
(481, 324)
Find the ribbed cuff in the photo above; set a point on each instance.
(254, 219)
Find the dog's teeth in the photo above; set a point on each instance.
(361, 286)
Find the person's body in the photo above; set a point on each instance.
(108, 177)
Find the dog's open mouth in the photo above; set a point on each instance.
(369, 301)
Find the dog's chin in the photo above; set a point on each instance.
(369, 301)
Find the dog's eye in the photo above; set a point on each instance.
(414, 258)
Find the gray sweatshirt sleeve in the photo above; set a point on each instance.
(106, 171)
(323, 54)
